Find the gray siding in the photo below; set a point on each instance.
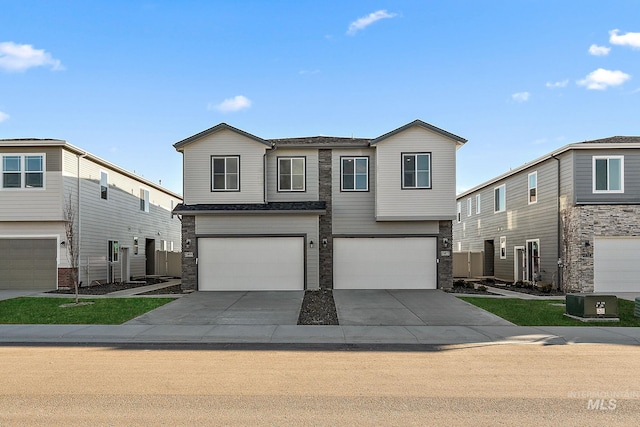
(354, 211)
(518, 223)
(584, 178)
(311, 176)
(264, 225)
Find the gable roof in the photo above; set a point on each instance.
(222, 126)
(322, 142)
(613, 142)
(458, 139)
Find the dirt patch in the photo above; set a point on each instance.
(318, 308)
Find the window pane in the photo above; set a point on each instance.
(33, 163)
(347, 182)
(297, 166)
(409, 163)
(218, 182)
(423, 179)
(347, 166)
(232, 165)
(409, 178)
(285, 182)
(34, 180)
(423, 162)
(11, 180)
(361, 165)
(298, 182)
(285, 167)
(232, 181)
(615, 175)
(601, 174)
(11, 163)
(361, 182)
(532, 195)
(218, 165)
(532, 181)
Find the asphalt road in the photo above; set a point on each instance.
(457, 385)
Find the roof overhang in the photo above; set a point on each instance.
(217, 128)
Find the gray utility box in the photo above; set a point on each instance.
(592, 305)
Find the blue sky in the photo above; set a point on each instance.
(127, 79)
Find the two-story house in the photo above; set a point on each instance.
(571, 218)
(318, 212)
(122, 224)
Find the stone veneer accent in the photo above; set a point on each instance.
(189, 266)
(325, 226)
(65, 278)
(445, 265)
(583, 224)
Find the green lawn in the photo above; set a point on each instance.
(543, 313)
(103, 311)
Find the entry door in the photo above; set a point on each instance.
(520, 263)
(533, 260)
(113, 257)
(126, 265)
(489, 254)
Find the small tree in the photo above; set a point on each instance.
(73, 253)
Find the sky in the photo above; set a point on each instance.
(125, 80)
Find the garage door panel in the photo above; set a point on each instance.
(251, 263)
(28, 263)
(615, 265)
(384, 263)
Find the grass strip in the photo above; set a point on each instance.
(544, 313)
(48, 311)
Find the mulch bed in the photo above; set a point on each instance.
(553, 292)
(466, 290)
(318, 308)
(175, 289)
(106, 288)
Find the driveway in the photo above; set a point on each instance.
(354, 307)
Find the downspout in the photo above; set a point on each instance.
(559, 224)
(264, 173)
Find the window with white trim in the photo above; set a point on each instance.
(354, 173)
(291, 174)
(22, 171)
(459, 211)
(104, 185)
(225, 173)
(469, 207)
(500, 198)
(503, 247)
(416, 170)
(608, 174)
(477, 203)
(533, 187)
(144, 200)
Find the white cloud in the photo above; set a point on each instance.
(20, 57)
(601, 79)
(3, 117)
(554, 85)
(365, 21)
(628, 39)
(521, 96)
(596, 50)
(236, 103)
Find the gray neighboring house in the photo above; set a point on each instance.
(318, 212)
(570, 218)
(123, 222)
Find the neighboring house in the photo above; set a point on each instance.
(123, 223)
(571, 218)
(318, 212)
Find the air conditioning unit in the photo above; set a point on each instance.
(592, 307)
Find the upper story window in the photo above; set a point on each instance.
(416, 170)
(608, 174)
(459, 212)
(500, 198)
(354, 173)
(23, 171)
(104, 185)
(144, 200)
(533, 187)
(291, 171)
(477, 203)
(469, 207)
(225, 173)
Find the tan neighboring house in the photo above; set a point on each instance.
(123, 222)
(318, 212)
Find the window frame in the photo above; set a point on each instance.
(226, 174)
(535, 188)
(594, 174)
(415, 186)
(104, 185)
(23, 172)
(291, 175)
(459, 212)
(503, 247)
(497, 189)
(355, 174)
(477, 204)
(469, 207)
(144, 199)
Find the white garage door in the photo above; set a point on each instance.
(28, 264)
(384, 263)
(615, 264)
(251, 263)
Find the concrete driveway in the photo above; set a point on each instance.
(409, 308)
(354, 307)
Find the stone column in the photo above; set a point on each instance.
(325, 226)
(445, 266)
(189, 245)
